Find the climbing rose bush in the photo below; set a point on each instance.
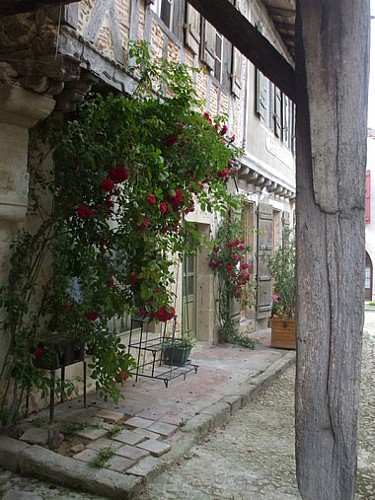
(128, 171)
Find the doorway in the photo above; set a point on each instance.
(189, 295)
(368, 278)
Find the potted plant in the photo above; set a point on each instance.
(177, 351)
(282, 266)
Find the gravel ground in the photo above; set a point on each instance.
(251, 458)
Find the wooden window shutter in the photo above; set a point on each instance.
(178, 18)
(261, 94)
(278, 112)
(209, 44)
(226, 64)
(236, 65)
(236, 71)
(368, 198)
(261, 85)
(192, 29)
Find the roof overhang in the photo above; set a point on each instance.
(12, 7)
(250, 42)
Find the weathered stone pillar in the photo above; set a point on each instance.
(19, 111)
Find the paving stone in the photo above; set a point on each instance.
(163, 428)
(77, 448)
(152, 414)
(119, 464)
(131, 452)
(110, 416)
(128, 437)
(143, 423)
(105, 425)
(92, 433)
(35, 435)
(101, 443)
(156, 448)
(144, 467)
(86, 455)
(147, 434)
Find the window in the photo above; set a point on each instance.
(218, 56)
(212, 48)
(164, 9)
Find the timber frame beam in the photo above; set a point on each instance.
(249, 41)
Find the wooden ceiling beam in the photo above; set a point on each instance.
(254, 46)
(12, 7)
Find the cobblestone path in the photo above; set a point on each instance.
(250, 458)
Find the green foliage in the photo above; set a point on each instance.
(102, 458)
(228, 260)
(282, 266)
(116, 429)
(127, 174)
(75, 426)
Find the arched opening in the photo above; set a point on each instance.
(368, 278)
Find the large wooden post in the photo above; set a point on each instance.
(332, 81)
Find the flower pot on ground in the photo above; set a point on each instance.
(283, 333)
(177, 351)
(282, 266)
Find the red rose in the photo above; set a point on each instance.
(216, 249)
(111, 280)
(229, 267)
(233, 138)
(133, 278)
(38, 352)
(119, 174)
(163, 207)
(84, 212)
(207, 116)
(224, 173)
(109, 203)
(143, 225)
(171, 139)
(245, 266)
(165, 313)
(91, 315)
(121, 376)
(151, 199)
(107, 185)
(213, 263)
(177, 197)
(224, 130)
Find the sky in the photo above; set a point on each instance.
(371, 101)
